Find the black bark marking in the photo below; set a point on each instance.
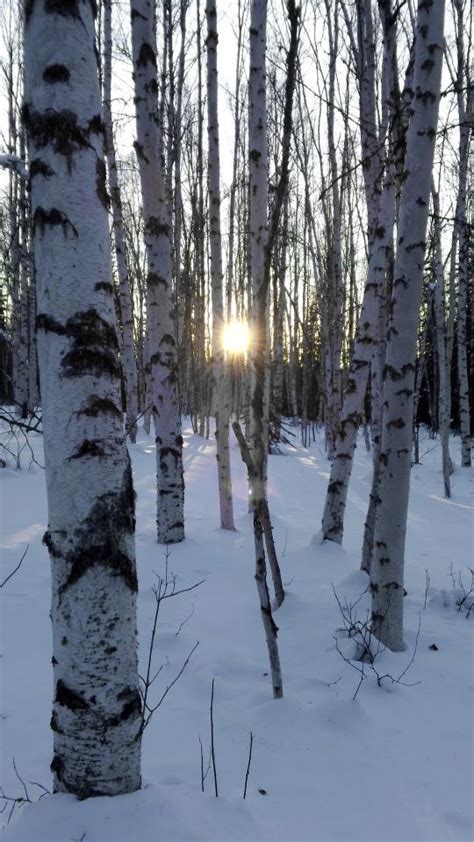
(428, 65)
(94, 349)
(101, 184)
(56, 73)
(104, 286)
(48, 542)
(39, 167)
(54, 723)
(419, 245)
(69, 698)
(58, 129)
(156, 228)
(168, 339)
(140, 151)
(397, 374)
(146, 55)
(49, 325)
(97, 406)
(131, 708)
(153, 279)
(28, 8)
(151, 87)
(398, 424)
(165, 452)
(99, 540)
(96, 125)
(89, 447)
(53, 218)
(66, 8)
(57, 766)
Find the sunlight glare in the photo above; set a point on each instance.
(236, 337)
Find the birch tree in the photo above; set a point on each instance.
(220, 386)
(97, 706)
(398, 380)
(463, 84)
(444, 403)
(127, 345)
(371, 328)
(162, 355)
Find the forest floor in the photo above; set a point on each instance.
(395, 764)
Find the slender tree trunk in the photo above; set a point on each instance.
(335, 290)
(162, 359)
(97, 706)
(258, 175)
(463, 239)
(390, 529)
(128, 350)
(440, 332)
(235, 161)
(220, 384)
(180, 287)
(367, 335)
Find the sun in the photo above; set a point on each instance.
(235, 337)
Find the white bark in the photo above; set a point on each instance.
(440, 334)
(390, 529)
(334, 281)
(127, 345)
(97, 707)
(220, 380)
(162, 358)
(369, 340)
(366, 338)
(258, 225)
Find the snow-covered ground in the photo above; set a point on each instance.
(395, 764)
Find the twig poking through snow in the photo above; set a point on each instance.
(248, 766)
(16, 568)
(213, 754)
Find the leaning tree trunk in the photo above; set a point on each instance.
(162, 357)
(221, 394)
(258, 175)
(97, 706)
(128, 351)
(390, 529)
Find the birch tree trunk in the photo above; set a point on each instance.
(162, 357)
(334, 281)
(440, 332)
(463, 239)
(178, 206)
(97, 706)
(220, 384)
(371, 326)
(128, 351)
(258, 225)
(390, 528)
